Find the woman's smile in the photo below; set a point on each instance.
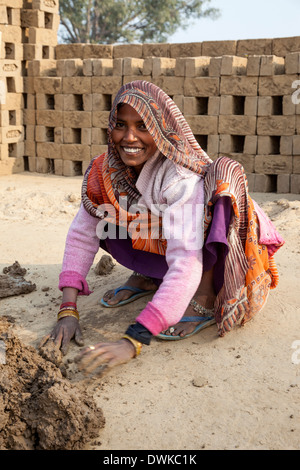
(133, 142)
(133, 150)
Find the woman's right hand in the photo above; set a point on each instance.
(65, 329)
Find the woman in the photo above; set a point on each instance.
(185, 225)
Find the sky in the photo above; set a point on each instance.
(241, 19)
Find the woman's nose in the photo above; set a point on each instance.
(130, 135)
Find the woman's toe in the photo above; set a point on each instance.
(113, 299)
(108, 295)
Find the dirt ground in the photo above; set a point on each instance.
(236, 392)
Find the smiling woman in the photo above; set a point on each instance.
(204, 250)
(133, 142)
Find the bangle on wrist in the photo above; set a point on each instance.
(68, 304)
(67, 312)
(137, 345)
(72, 309)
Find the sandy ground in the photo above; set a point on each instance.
(205, 392)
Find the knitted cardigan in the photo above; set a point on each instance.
(168, 190)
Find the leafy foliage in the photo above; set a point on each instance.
(128, 21)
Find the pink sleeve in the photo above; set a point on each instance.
(184, 258)
(82, 244)
(268, 234)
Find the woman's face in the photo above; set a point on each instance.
(132, 140)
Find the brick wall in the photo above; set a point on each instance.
(28, 30)
(239, 97)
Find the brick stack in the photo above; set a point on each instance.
(241, 98)
(277, 125)
(40, 22)
(28, 32)
(237, 106)
(241, 107)
(72, 111)
(11, 88)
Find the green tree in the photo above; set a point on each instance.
(128, 21)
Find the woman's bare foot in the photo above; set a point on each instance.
(205, 296)
(140, 282)
(184, 328)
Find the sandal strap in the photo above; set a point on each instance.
(132, 289)
(200, 309)
(195, 319)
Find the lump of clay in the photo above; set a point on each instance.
(39, 409)
(51, 352)
(12, 281)
(104, 266)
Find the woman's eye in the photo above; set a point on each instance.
(119, 125)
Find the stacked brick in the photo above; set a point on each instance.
(241, 98)
(40, 21)
(28, 31)
(242, 107)
(11, 87)
(71, 113)
(278, 122)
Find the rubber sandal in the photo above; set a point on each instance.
(137, 294)
(207, 322)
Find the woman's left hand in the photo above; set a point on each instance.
(111, 354)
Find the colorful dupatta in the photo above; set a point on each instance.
(249, 269)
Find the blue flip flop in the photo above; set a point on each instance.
(137, 294)
(207, 322)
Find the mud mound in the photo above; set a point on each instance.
(104, 266)
(39, 409)
(12, 281)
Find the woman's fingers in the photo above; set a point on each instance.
(65, 343)
(62, 334)
(103, 358)
(59, 338)
(44, 341)
(84, 351)
(110, 354)
(79, 337)
(93, 356)
(90, 352)
(50, 336)
(64, 338)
